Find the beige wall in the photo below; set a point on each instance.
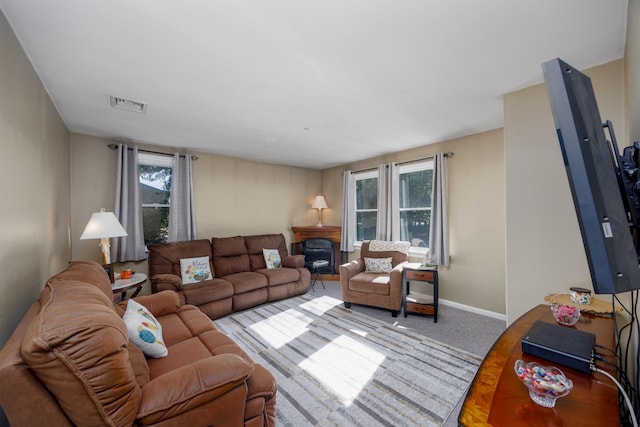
(34, 218)
(476, 275)
(544, 246)
(233, 196)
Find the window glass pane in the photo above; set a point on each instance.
(155, 221)
(366, 225)
(155, 186)
(367, 193)
(415, 189)
(414, 227)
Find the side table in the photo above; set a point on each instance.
(123, 285)
(415, 302)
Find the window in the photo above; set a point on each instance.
(416, 181)
(366, 205)
(415, 189)
(155, 185)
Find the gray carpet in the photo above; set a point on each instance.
(355, 369)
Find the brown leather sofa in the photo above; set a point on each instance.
(241, 278)
(383, 290)
(70, 362)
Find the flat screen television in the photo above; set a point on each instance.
(604, 184)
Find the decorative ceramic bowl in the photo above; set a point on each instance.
(566, 314)
(545, 383)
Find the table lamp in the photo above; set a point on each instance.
(103, 225)
(319, 203)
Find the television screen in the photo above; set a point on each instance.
(596, 180)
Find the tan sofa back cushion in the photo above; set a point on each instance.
(255, 245)
(77, 347)
(164, 258)
(230, 255)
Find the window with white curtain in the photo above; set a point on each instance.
(155, 171)
(415, 191)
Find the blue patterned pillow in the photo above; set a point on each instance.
(378, 265)
(144, 330)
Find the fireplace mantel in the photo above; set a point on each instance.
(333, 233)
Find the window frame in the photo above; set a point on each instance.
(413, 166)
(159, 160)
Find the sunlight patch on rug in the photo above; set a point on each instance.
(282, 328)
(345, 366)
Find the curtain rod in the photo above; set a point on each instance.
(447, 154)
(115, 147)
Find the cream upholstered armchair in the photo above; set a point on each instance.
(375, 278)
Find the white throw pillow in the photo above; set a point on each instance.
(272, 258)
(195, 270)
(144, 330)
(378, 265)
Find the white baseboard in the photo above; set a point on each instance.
(476, 310)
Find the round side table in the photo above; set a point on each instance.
(123, 285)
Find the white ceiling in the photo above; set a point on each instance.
(309, 83)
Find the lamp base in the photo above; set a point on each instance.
(105, 246)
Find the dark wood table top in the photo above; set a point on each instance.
(498, 398)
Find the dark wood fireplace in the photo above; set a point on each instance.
(319, 236)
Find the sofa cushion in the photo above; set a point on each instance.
(378, 265)
(280, 276)
(272, 258)
(207, 291)
(73, 341)
(194, 270)
(256, 243)
(164, 258)
(144, 330)
(230, 255)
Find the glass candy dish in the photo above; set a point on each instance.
(566, 314)
(545, 383)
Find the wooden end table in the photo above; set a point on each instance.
(414, 302)
(123, 285)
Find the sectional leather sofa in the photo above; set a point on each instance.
(239, 279)
(71, 362)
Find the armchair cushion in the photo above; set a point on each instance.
(378, 265)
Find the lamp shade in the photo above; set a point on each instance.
(103, 224)
(319, 203)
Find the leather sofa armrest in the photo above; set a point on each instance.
(293, 261)
(159, 304)
(191, 386)
(352, 268)
(166, 282)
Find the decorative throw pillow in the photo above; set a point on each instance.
(195, 270)
(272, 258)
(144, 330)
(378, 265)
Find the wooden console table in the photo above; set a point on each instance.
(498, 398)
(333, 233)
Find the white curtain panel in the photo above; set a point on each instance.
(128, 207)
(388, 222)
(182, 219)
(439, 229)
(348, 212)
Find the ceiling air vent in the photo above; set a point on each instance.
(127, 104)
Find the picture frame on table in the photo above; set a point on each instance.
(108, 268)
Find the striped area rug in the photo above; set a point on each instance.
(336, 367)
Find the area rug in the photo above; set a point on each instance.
(337, 367)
